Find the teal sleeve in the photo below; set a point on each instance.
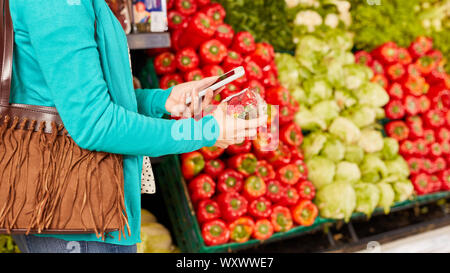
(62, 36)
(152, 102)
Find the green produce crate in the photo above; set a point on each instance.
(182, 215)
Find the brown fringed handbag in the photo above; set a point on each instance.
(48, 184)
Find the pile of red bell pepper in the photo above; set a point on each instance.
(419, 91)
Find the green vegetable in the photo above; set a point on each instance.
(387, 196)
(345, 129)
(155, 239)
(317, 89)
(397, 166)
(372, 169)
(354, 153)
(403, 190)
(372, 94)
(313, 144)
(361, 115)
(307, 121)
(310, 51)
(333, 149)
(288, 70)
(367, 197)
(336, 200)
(390, 148)
(321, 171)
(326, 110)
(355, 75)
(371, 141)
(344, 99)
(347, 172)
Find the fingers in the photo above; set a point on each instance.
(206, 82)
(208, 98)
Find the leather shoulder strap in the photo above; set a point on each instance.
(6, 51)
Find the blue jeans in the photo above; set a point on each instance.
(35, 244)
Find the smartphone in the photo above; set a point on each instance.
(222, 81)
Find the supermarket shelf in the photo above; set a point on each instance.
(148, 40)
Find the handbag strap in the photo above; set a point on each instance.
(7, 43)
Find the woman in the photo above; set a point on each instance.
(73, 55)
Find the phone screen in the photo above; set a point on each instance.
(224, 76)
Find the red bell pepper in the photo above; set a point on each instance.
(440, 164)
(415, 130)
(403, 56)
(395, 71)
(291, 134)
(443, 134)
(175, 36)
(415, 119)
(186, 7)
(201, 28)
(420, 46)
(281, 219)
(428, 166)
(186, 59)
(424, 104)
(201, 187)
(207, 210)
(170, 80)
(275, 191)
(216, 12)
(422, 184)
(230, 89)
(270, 79)
(436, 55)
(290, 197)
(164, 63)
(297, 153)
(377, 67)
(305, 213)
(230, 181)
(232, 205)
(263, 54)
(437, 76)
(302, 170)
(212, 52)
(434, 118)
(232, 60)
(260, 208)
(363, 57)
(257, 87)
(224, 34)
(412, 71)
(415, 165)
(411, 104)
(252, 70)
(215, 232)
(175, 19)
(425, 64)
(241, 229)
(445, 145)
(212, 70)
(263, 144)
(263, 229)
(211, 152)
(445, 178)
(242, 81)
(170, 4)
(286, 114)
(435, 183)
(306, 190)
(254, 187)
(394, 109)
(415, 85)
(277, 96)
(421, 147)
(397, 130)
(429, 136)
(288, 174)
(214, 167)
(380, 79)
(435, 150)
(202, 3)
(408, 148)
(395, 91)
(192, 164)
(279, 157)
(244, 147)
(243, 163)
(387, 53)
(293, 104)
(243, 43)
(265, 170)
(193, 75)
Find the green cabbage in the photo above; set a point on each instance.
(298, 94)
(390, 148)
(397, 166)
(313, 143)
(310, 51)
(326, 110)
(336, 200)
(347, 172)
(387, 196)
(333, 149)
(321, 171)
(345, 129)
(317, 89)
(354, 153)
(155, 238)
(307, 121)
(371, 141)
(344, 99)
(403, 189)
(372, 169)
(355, 75)
(380, 114)
(361, 115)
(372, 94)
(367, 197)
(288, 70)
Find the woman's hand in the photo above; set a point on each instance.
(235, 130)
(176, 102)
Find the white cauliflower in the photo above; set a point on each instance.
(292, 3)
(332, 20)
(308, 18)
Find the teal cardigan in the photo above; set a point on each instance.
(73, 55)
